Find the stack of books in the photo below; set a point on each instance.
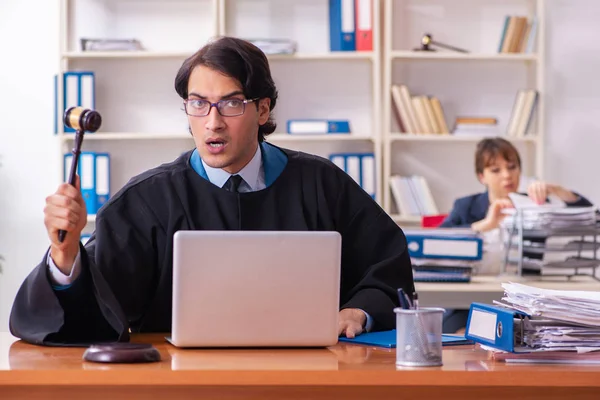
(478, 126)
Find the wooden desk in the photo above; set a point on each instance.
(486, 289)
(340, 372)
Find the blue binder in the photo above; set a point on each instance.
(445, 247)
(342, 26)
(493, 326)
(360, 166)
(387, 339)
(102, 179)
(305, 126)
(86, 169)
(79, 90)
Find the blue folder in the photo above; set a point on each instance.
(388, 339)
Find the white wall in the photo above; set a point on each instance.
(29, 41)
(573, 98)
(29, 172)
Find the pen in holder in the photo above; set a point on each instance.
(82, 120)
(418, 333)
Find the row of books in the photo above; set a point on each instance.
(360, 166)
(418, 114)
(94, 174)
(522, 112)
(412, 196)
(518, 35)
(351, 25)
(424, 115)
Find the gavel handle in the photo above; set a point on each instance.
(447, 46)
(72, 174)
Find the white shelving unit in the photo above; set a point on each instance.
(313, 83)
(143, 124)
(482, 82)
(143, 121)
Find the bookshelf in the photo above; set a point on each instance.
(483, 82)
(143, 124)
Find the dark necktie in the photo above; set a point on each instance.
(233, 183)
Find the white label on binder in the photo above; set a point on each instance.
(87, 171)
(72, 91)
(483, 324)
(354, 168)
(364, 15)
(309, 127)
(87, 91)
(368, 174)
(348, 16)
(102, 175)
(339, 161)
(450, 248)
(68, 164)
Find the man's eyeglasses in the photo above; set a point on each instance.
(225, 107)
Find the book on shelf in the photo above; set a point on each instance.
(413, 196)
(522, 112)
(518, 34)
(418, 113)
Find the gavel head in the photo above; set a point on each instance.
(82, 119)
(426, 40)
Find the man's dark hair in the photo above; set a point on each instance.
(488, 150)
(238, 59)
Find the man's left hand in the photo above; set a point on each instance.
(351, 322)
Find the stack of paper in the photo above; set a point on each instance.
(559, 320)
(550, 216)
(275, 46)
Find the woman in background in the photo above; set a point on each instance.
(498, 168)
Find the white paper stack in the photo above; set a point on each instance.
(550, 216)
(560, 320)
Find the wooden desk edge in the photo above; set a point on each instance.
(199, 378)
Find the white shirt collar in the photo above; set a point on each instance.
(250, 173)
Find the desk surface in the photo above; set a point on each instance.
(347, 370)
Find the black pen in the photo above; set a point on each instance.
(402, 299)
(415, 300)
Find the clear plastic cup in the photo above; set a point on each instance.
(419, 337)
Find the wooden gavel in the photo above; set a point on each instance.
(82, 120)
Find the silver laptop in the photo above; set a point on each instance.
(255, 288)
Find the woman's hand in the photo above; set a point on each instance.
(493, 217)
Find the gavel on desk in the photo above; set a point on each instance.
(82, 120)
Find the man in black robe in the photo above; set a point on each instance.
(121, 281)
